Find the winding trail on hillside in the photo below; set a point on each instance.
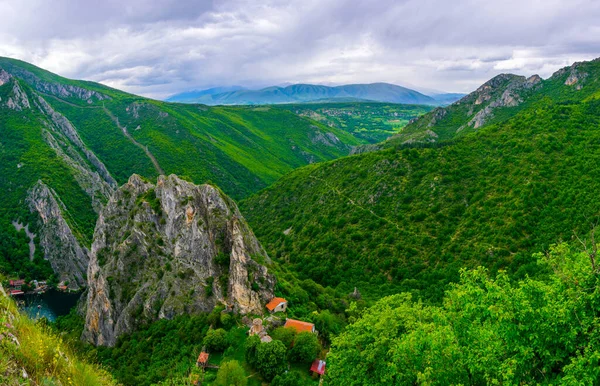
(136, 143)
(116, 121)
(351, 201)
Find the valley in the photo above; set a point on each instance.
(402, 238)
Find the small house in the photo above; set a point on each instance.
(16, 284)
(318, 367)
(277, 305)
(266, 339)
(299, 325)
(14, 292)
(202, 359)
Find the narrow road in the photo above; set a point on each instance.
(126, 133)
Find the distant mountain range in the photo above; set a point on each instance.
(302, 93)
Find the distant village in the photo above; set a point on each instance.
(17, 287)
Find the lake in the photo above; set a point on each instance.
(49, 305)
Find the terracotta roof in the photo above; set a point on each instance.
(275, 302)
(203, 357)
(17, 282)
(16, 292)
(318, 366)
(299, 325)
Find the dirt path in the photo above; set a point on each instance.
(126, 133)
(116, 121)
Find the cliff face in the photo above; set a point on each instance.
(167, 249)
(67, 257)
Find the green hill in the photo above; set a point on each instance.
(82, 140)
(410, 217)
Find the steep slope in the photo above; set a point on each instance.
(409, 218)
(380, 92)
(81, 139)
(497, 100)
(168, 249)
(31, 354)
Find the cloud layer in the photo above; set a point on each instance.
(157, 48)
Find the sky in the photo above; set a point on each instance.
(157, 48)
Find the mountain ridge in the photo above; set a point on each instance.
(301, 93)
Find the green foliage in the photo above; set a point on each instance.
(408, 219)
(488, 331)
(306, 348)
(31, 348)
(284, 335)
(270, 359)
(215, 340)
(162, 350)
(289, 378)
(231, 373)
(251, 349)
(371, 121)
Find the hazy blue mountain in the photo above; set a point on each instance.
(191, 96)
(447, 98)
(380, 92)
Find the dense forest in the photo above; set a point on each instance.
(410, 217)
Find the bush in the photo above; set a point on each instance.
(270, 359)
(231, 374)
(215, 340)
(284, 335)
(306, 348)
(289, 379)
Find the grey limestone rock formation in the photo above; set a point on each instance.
(68, 258)
(170, 248)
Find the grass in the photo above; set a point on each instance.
(31, 354)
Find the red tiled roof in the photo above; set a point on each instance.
(203, 357)
(318, 366)
(275, 302)
(299, 325)
(17, 282)
(16, 292)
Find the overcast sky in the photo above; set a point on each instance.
(159, 47)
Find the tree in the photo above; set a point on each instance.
(252, 344)
(285, 335)
(231, 374)
(271, 359)
(215, 340)
(289, 378)
(489, 330)
(306, 347)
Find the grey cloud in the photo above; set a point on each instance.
(157, 48)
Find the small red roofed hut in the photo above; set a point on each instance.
(299, 325)
(277, 305)
(202, 359)
(318, 366)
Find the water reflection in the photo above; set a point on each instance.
(49, 305)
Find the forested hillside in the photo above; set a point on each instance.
(410, 217)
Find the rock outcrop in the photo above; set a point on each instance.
(68, 258)
(167, 249)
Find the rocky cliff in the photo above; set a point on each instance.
(167, 249)
(68, 258)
